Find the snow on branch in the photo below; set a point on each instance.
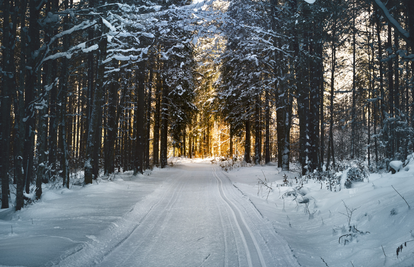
(405, 34)
(68, 54)
(84, 25)
(109, 25)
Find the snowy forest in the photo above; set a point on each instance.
(113, 86)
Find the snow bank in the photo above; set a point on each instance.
(396, 165)
(65, 220)
(316, 229)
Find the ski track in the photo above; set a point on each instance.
(163, 217)
(213, 223)
(270, 246)
(242, 227)
(226, 260)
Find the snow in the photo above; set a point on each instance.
(91, 48)
(313, 230)
(396, 165)
(195, 214)
(63, 221)
(109, 25)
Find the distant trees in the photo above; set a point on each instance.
(245, 86)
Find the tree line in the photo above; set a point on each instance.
(108, 86)
(336, 75)
(91, 85)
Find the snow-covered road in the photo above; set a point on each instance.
(194, 214)
(196, 218)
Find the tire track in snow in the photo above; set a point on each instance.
(93, 253)
(163, 216)
(268, 235)
(254, 254)
(226, 249)
(134, 237)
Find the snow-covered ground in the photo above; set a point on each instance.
(195, 214)
(65, 220)
(313, 229)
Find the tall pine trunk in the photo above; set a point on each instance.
(353, 111)
(397, 108)
(53, 102)
(6, 98)
(331, 107)
(64, 157)
(32, 85)
(231, 142)
(391, 125)
(140, 118)
(148, 114)
(20, 112)
(257, 146)
(157, 118)
(112, 125)
(267, 120)
(95, 122)
(164, 125)
(247, 143)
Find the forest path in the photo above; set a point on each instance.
(196, 218)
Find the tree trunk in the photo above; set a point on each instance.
(20, 112)
(184, 142)
(313, 123)
(303, 109)
(41, 145)
(32, 85)
(140, 118)
(231, 142)
(247, 144)
(93, 145)
(353, 111)
(157, 118)
(317, 106)
(190, 146)
(390, 144)
(120, 117)
(331, 107)
(257, 148)
(267, 119)
(91, 108)
(286, 140)
(148, 114)
(370, 93)
(281, 102)
(53, 103)
(322, 123)
(112, 125)
(398, 91)
(6, 99)
(382, 106)
(287, 123)
(64, 161)
(164, 126)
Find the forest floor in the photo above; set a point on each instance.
(196, 214)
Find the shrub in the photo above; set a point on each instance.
(330, 179)
(356, 174)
